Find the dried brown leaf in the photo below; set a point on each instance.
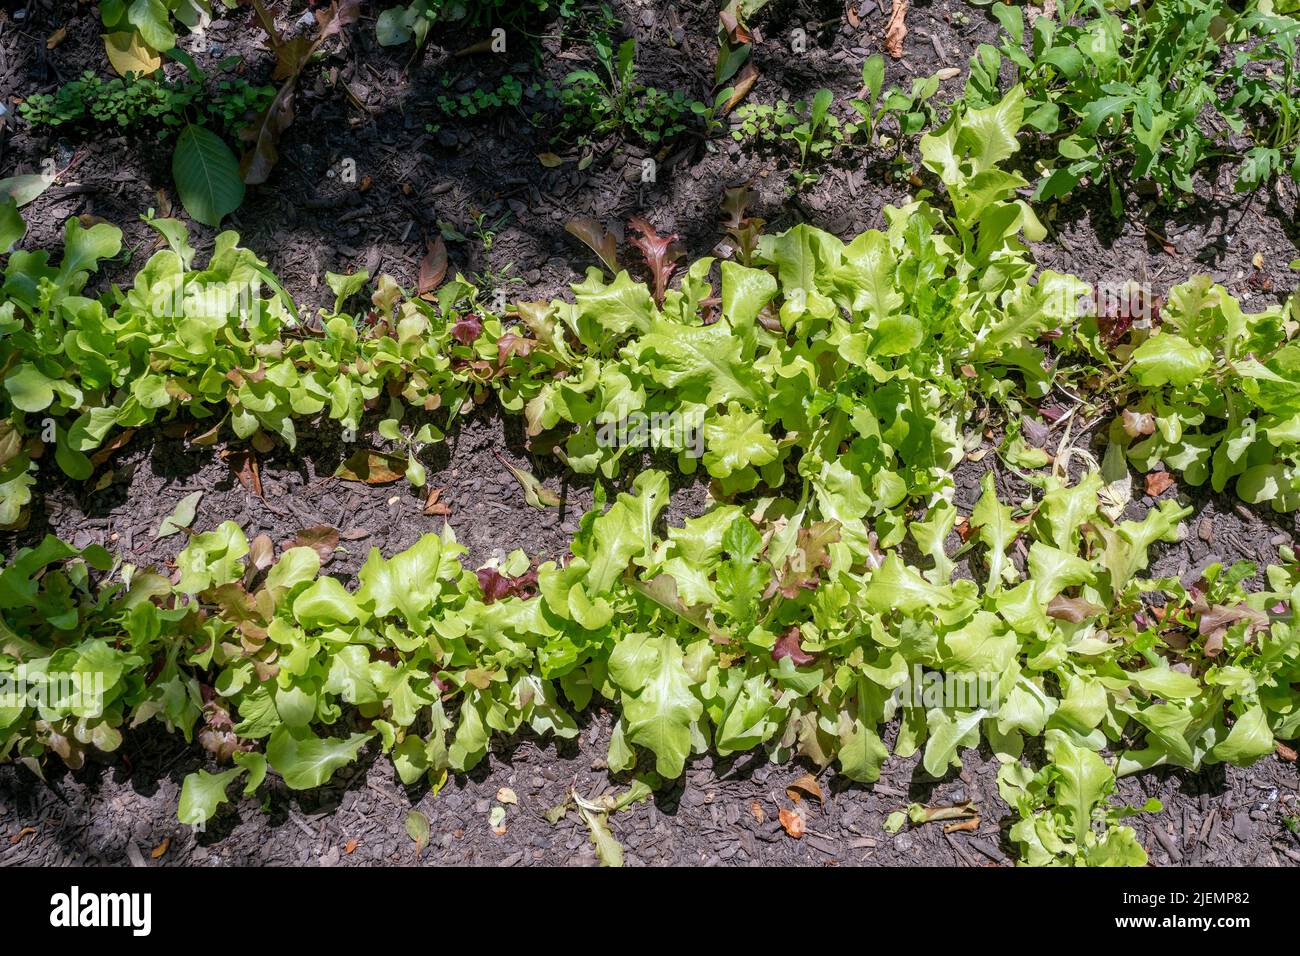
(740, 88)
(116, 442)
(243, 465)
(433, 267)
(432, 506)
(805, 786)
(896, 28)
(596, 238)
(321, 538)
(372, 467)
(1158, 482)
(793, 822)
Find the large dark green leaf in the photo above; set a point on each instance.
(207, 175)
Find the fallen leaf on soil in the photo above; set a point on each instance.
(1158, 483)
(354, 534)
(550, 160)
(351, 846)
(896, 28)
(243, 465)
(506, 795)
(433, 267)
(745, 81)
(535, 493)
(127, 53)
(161, 848)
(432, 506)
(482, 46)
(262, 442)
(793, 823)
(56, 38)
(497, 820)
(597, 239)
(372, 467)
(118, 440)
(1285, 753)
(322, 539)
(757, 810)
(965, 826)
(417, 827)
(959, 811)
(805, 786)
(182, 517)
(208, 437)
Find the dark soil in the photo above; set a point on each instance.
(372, 105)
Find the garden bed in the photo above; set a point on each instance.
(425, 172)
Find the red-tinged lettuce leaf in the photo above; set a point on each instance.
(790, 645)
(467, 329)
(661, 252)
(497, 586)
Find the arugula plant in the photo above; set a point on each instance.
(818, 135)
(1119, 94)
(596, 103)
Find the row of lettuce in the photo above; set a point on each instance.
(840, 382)
(756, 626)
